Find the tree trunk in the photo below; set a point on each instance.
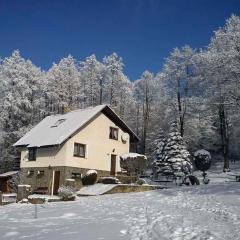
(224, 135)
(101, 90)
(137, 126)
(146, 109)
(181, 118)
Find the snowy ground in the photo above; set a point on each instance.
(183, 213)
(96, 189)
(205, 212)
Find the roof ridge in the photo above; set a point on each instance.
(79, 109)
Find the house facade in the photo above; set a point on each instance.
(65, 146)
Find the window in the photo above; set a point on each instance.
(76, 175)
(30, 173)
(40, 173)
(58, 122)
(113, 134)
(32, 154)
(79, 150)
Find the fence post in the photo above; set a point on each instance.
(35, 211)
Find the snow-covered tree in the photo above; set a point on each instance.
(143, 92)
(22, 100)
(158, 152)
(159, 145)
(219, 68)
(178, 71)
(63, 89)
(176, 159)
(92, 79)
(114, 77)
(117, 88)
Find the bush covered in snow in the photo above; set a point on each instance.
(66, 193)
(141, 181)
(90, 177)
(134, 163)
(202, 159)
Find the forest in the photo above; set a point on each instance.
(198, 88)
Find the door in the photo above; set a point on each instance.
(4, 185)
(56, 180)
(113, 165)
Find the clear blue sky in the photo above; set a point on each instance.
(142, 32)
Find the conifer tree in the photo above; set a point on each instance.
(158, 151)
(176, 158)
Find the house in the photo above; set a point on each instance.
(65, 146)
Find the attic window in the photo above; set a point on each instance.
(113, 133)
(32, 154)
(58, 122)
(79, 150)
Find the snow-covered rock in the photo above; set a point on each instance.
(90, 177)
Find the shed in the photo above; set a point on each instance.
(5, 181)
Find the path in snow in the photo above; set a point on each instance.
(186, 213)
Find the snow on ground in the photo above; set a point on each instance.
(216, 174)
(205, 212)
(42, 196)
(96, 189)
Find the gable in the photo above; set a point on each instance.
(54, 130)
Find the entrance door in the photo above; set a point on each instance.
(56, 182)
(113, 165)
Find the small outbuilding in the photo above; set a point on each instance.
(5, 179)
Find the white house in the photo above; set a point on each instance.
(64, 146)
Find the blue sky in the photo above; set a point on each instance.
(142, 32)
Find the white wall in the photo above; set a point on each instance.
(99, 149)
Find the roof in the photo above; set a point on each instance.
(56, 129)
(8, 174)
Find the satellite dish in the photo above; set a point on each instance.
(125, 137)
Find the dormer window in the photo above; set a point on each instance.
(58, 122)
(113, 133)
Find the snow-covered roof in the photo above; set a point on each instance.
(8, 174)
(55, 129)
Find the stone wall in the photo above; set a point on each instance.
(45, 180)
